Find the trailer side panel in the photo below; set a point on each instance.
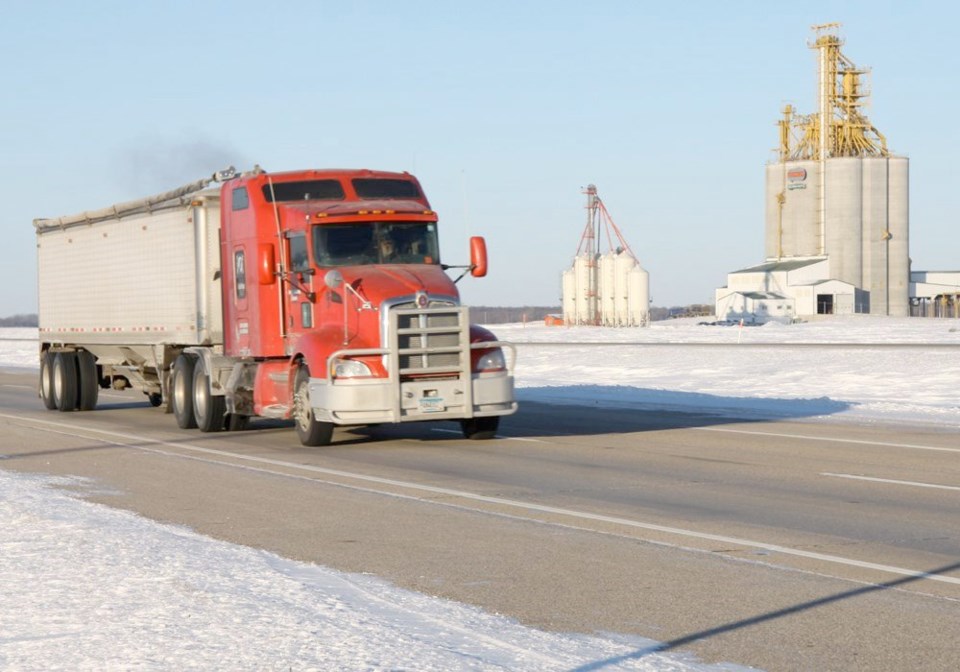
(133, 281)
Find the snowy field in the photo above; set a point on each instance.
(910, 375)
(86, 587)
(771, 371)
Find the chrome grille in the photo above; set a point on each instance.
(432, 340)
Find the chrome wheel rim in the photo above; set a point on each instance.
(301, 407)
(45, 378)
(200, 395)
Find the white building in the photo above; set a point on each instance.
(786, 289)
(935, 293)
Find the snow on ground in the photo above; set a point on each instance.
(775, 370)
(18, 347)
(836, 329)
(88, 587)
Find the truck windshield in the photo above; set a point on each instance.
(375, 243)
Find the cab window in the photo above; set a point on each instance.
(299, 259)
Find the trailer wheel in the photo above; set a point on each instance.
(66, 387)
(89, 381)
(182, 386)
(46, 380)
(312, 432)
(208, 409)
(480, 429)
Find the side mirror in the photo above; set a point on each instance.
(266, 263)
(333, 279)
(478, 256)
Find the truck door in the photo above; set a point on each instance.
(299, 308)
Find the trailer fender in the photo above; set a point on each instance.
(217, 367)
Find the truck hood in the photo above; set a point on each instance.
(376, 284)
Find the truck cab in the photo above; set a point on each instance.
(338, 311)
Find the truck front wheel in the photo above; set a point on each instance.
(312, 432)
(182, 386)
(480, 428)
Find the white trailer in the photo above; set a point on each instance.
(123, 290)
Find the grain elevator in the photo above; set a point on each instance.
(837, 206)
(605, 287)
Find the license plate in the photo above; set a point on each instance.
(431, 405)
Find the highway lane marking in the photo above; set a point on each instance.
(863, 442)
(893, 481)
(463, 495)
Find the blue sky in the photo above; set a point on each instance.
(504, 110)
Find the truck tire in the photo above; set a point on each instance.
(89, 381)
(181, 398)
(66, 387)
(208, 409)
(312, 432)
(480, 429)
(46, 380)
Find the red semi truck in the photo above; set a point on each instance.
(317, 296)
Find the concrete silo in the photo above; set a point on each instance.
(579, 291)
(836, 193)
(605, 288)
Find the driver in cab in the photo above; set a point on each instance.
(387, 247)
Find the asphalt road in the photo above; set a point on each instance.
(787, 545)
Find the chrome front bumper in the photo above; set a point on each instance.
(375, 400)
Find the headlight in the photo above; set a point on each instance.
(491, 360)
(350, 368)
